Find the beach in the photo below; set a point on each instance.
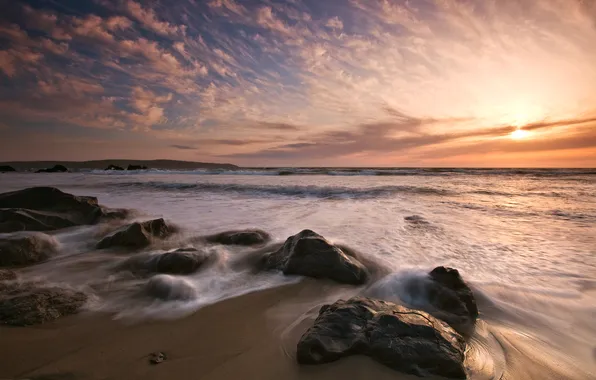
(524, 243)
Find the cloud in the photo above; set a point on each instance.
(183, 147)
(149, 19)
(296, 81)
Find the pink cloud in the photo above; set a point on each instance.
(148, 18)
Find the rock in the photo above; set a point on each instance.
(54, 169)
(12, 220)
(47, 209)
(157, 357)
(137, 235)
(31, 306)
(244, 237)
(181, 261)
(416, 220)
(7, 275)
(114, 167)
(406, 340)
(309, 254)
(170, 288)
(136, 167)
(6, 168)
(26, 248)
(452, 297)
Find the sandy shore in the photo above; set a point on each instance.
(241, 338)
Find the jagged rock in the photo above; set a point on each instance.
(54, 169)
(114, 167)
(47, 209)
(137, 167)
(7, 275)
(452, 297)
(6, 168)
(406, 340)
(181, 261)
(309, 254)
(169, 288)
(137, 235)
(29, 305)
(244, 237)
(26, 248)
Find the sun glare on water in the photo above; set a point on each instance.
(519, 134)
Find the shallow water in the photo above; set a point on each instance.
(525, 240)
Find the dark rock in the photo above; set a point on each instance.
(406, 340)
(6, 168)
(137, 235)
(169, 288)
(137, 167)
(452, 297)
(245, 237)
(54, 169)
(114, 167)
(26, 248)
(416, 220)
(309, 254)
(157, 357)
(181, 261)
(47, 209)
(31, 306)
(7, 275)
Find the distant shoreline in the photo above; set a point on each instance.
(103, 164)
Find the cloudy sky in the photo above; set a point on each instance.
(300, 82)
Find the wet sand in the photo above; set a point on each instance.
(252, 336)
(239, 338)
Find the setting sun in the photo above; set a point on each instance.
(519, 134)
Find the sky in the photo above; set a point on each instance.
(476, 83)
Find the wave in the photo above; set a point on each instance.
(365, 172)
(325, 192)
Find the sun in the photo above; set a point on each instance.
(519, 134)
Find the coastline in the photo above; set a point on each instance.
(236, 338)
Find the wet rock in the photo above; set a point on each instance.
(157, 357)
(54, 169)
(181, 261)
(452, 297)
(114, 167)
(309, 254)
(169, 288)
(416, 220)
(244, 237)
(406, 340)
(7, 275)
(31, 306)
(136, 167)
(26, 248)
(47, 209)
(6, 168)
(137, 235)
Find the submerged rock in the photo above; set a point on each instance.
(169, 288)
(54, 169)
(114, 167)
(243, 237)
(181, 261)
(31, 306)
(48, 209)
(309, 254)
(406, 340)
(137, 235)
(452, 297)
(26, 248)
(7, 168)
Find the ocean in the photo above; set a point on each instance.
(524, 239)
